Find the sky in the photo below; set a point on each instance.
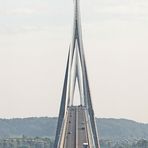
(34, 40)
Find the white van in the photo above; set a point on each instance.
(85, 145)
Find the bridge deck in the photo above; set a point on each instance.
(76, 128)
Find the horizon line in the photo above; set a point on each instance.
(11, 118)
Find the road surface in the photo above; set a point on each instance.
(76, 128)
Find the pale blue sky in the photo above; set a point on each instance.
(34, 40)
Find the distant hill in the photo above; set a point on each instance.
(119, 129)
(113, 129)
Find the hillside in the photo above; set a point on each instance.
(113, 129)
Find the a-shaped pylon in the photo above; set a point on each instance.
(76, 71)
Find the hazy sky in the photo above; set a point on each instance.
(34, 40)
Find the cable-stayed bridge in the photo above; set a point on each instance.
(76, 123)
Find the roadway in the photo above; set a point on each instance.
(76, 127)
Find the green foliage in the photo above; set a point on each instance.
(26, 142)
(113, 129)
(119, 129)
(38, 142)
(126, 144)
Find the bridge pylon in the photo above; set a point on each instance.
(76, 126)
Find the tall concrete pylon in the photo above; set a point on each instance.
(76, 71)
